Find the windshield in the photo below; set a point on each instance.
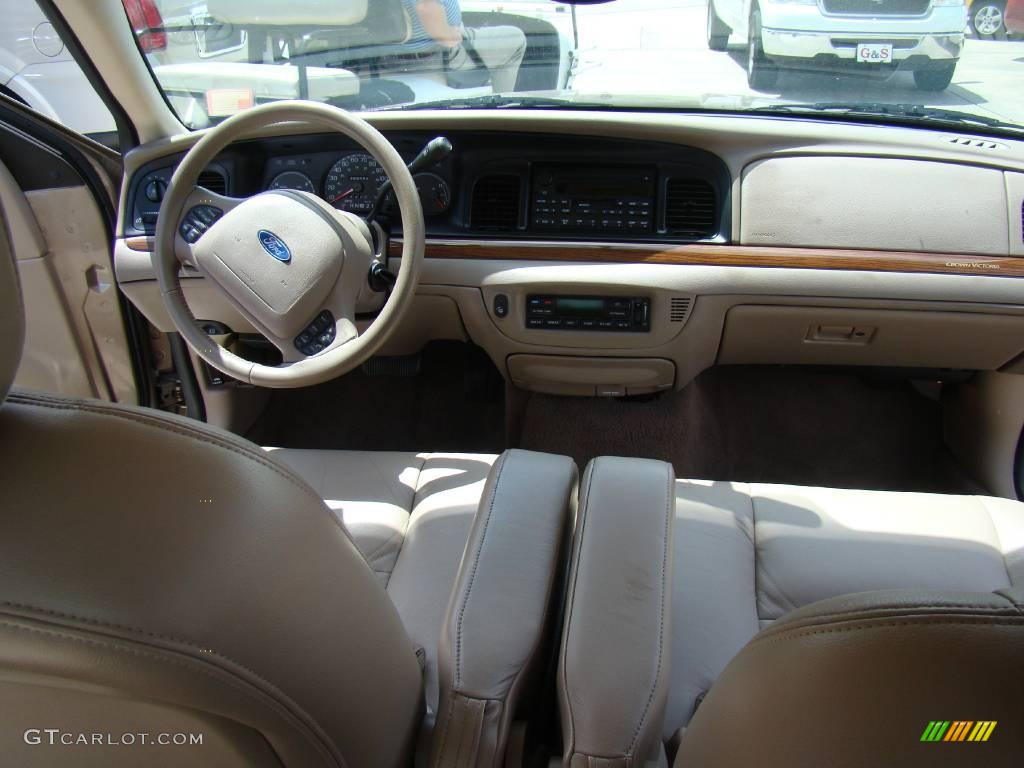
(944, 62)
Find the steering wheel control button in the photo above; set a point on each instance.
(318, 335)
(198, 219)
(501, 306)
(325, 319)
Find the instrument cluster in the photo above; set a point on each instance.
(352, 181)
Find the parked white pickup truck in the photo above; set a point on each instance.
(924, 36)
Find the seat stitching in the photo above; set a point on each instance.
(472, 574)
(571, 601)
(670, 498)
(446, 727)
(538, 641)
(41, 401)
(112, 625)
(464, 731)
(753, 539)
(999, 541)
(419, 476)
(984, 621)
(24, 607)
(194, 665)
(916, 606)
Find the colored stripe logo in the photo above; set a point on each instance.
(958, 730)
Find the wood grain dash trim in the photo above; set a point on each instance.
(139, 243)
(727, 256)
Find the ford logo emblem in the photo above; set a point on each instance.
(274, 245)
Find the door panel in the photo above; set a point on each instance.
(75, 340)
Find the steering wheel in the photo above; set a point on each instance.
(289, 263)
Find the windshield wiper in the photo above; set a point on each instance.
(497, 101)
(903, 112)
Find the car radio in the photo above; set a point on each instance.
(610, 198)
(588, 313)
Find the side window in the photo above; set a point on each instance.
(37, 69)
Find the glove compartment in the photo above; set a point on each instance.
(760, 334)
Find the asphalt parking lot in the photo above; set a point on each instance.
(642, 47)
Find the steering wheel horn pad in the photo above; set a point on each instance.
(278, 257)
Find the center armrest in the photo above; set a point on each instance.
(613, 671)
(498, 615)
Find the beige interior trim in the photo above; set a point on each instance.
(761, 334)
(882, 203)
(591, 376)
(75, 342)
(983, 422)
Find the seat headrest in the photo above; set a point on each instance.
(12, 315)
(872, 679)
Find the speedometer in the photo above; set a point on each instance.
(352, 183)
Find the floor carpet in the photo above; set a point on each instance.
(763, 424)
(454, 403)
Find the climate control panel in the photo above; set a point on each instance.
(622, 314)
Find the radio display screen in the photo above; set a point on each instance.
(579, 307)
(598, 183)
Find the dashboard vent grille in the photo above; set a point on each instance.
(691, 207)
(496, 203)
(213, 181)
(679, 308)
(976, 143)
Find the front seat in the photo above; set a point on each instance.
(767, 574)
(744, 624)
(169, 585)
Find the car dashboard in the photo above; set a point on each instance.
(607, 254)
(495, 184)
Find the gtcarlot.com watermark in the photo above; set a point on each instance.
(55, 737)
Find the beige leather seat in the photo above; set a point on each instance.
(161, 577)
(823, 626)
(748, 556)
(418, 505)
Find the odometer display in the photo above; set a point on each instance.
(292, 180)
(352, 183)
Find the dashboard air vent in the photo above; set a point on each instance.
(679, 308)
(976, 143)
(496, 203)
(691, 207)
(213, 181)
